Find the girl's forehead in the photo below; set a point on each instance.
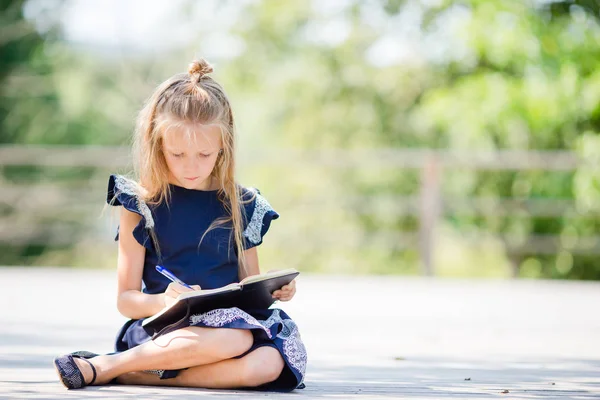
(196, 136)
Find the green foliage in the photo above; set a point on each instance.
(467, 76)
(522, 76)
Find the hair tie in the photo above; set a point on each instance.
(199, 68)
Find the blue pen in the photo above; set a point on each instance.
(172, 277)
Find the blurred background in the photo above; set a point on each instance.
(434, 137)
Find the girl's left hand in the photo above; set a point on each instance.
(286, 292)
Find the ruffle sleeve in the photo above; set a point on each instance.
(124, 192)
(259, 215)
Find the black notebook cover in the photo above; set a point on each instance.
(248, 296)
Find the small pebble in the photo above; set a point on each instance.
(467, 379)
(504, 391)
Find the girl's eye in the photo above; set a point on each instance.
(177, 155)
(204, 155)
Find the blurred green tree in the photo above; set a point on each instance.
(49, 94)
(477, 75)
(467, 76)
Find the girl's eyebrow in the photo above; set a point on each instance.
(178, 150)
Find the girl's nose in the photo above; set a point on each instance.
(192, 163)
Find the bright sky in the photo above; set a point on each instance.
(112, 27)
(141, 26)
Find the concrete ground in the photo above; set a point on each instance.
(367, 337)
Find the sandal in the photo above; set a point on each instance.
(84, 354)
(70, 374)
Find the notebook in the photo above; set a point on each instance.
(253, 292)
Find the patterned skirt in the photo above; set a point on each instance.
(272, 327)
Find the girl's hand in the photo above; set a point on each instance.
(175, 289)
(286, 292)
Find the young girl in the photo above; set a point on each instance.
(186, 212)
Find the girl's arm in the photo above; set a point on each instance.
(131, 302)
(252, 268)
(285, 293)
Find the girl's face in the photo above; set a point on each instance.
(191, 155)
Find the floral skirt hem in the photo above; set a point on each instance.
(272, 327)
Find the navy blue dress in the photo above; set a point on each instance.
(212, 263)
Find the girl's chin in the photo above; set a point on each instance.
(193, 183)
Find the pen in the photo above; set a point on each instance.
(171, 276)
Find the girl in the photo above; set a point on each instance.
(187, 213)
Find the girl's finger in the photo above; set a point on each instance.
(176, 287)
(196, 287)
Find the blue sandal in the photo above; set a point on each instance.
(69, 372)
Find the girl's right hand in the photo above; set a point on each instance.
(175, 289)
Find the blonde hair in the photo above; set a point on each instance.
(189, 98)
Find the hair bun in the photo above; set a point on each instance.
(200, 68)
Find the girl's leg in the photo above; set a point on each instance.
(258, 367)
(182, 348)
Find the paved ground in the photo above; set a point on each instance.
(367, 337)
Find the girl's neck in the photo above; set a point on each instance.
(210, 185)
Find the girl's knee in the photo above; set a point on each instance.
(235, 341)
(222, 343)
(261, 366)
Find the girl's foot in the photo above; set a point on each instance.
(88, 366)
(77, 371)
(71, 373)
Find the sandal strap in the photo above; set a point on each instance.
(91, 365)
